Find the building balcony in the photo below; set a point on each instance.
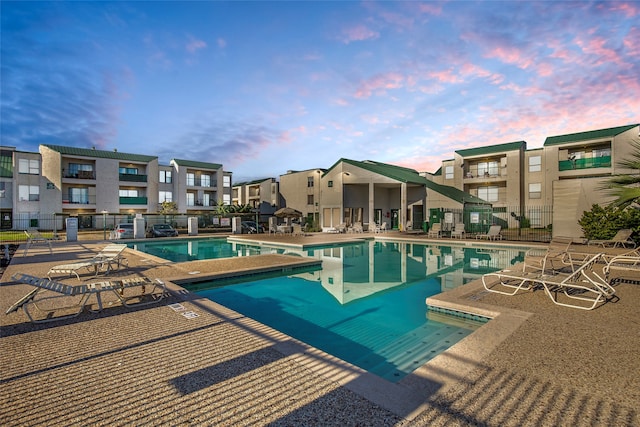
(588, 163)
(81, 175)
(133, 200)
(130, 177)
(79, 200)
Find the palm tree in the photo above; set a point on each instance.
(626, 187)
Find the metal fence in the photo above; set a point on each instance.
(532, 224)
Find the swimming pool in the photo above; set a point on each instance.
(366, 305)
(180, 250)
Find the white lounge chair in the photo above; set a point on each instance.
(82, 292)
(458, 231)
(492, 234)
(382, 228)
(435, 230)
(556, 257)
(621, 239)
(110, 255)
(576, 286)
(629, 261)
(35, 238)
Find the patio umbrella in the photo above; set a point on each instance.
(287, 213)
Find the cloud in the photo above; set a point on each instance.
(193, 45)
(379, 84)
(358, 32)
(222, 43)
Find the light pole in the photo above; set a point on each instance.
(104, 224)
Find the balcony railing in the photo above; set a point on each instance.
(133, 200)
(588, 163)
(133, 177)
(79, 200)
(81, 175)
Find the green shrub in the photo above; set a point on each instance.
(601, 223)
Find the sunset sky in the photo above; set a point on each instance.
(267, 87)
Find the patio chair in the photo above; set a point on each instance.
(382, 228)
(629, 261)
(622, 239)
(35, 238)
(556, 257)
(82, 292)
(297, 230)
(492, 234)
(110, 254)
(435, 231)
(458, 231)
(575, 286)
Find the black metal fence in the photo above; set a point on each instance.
(532, 224)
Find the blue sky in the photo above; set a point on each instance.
(267, 87)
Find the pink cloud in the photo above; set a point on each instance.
(596, 47)
(359, 33)
(510, 55)
(631, 42)
(379, 84)
(446, 76)
(194, 45)
(630, 9)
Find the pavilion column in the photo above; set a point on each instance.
(372, 218)
(403, 207)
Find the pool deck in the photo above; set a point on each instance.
(534, 364)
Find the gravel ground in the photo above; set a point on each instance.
(153, 366)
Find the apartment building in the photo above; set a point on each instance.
(83, 182)
(566, 174)
(300, 190)
(263, 195)
(197, 186)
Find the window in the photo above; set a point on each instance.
(76, 169)
(490, 194)
(329, 183)
(128, 171)
(205, 180)
(206, 199)
(535, 191)
(128, 193)
(310, 181)
(2, 190)
(535, 163)
(226, 198)
(226, 181)
(448, 172)
(79, 195)
(32, 167)
(165, 196)
(488, 168)
(191, 199)
(165, 176)
(191, 179)
(29, 193)
(309, 199)
(602, 152)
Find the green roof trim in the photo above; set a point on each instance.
(101, 154)
(198, 165)
(492, 149)
(407, 175)
(255, 181)
(585, 136)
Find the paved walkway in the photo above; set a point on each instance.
(534, 364)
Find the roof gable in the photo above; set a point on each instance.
(584, 136)
(492, 149)
(198, 165)
(101, 154)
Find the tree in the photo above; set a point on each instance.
(626, 187)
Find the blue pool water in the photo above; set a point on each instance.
(366, 305)
(180, 250)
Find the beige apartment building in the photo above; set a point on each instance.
(551, 185)
(563, 177)
(84, 182)
(262, 195)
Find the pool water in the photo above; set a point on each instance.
(366, 305)
(180, 250)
